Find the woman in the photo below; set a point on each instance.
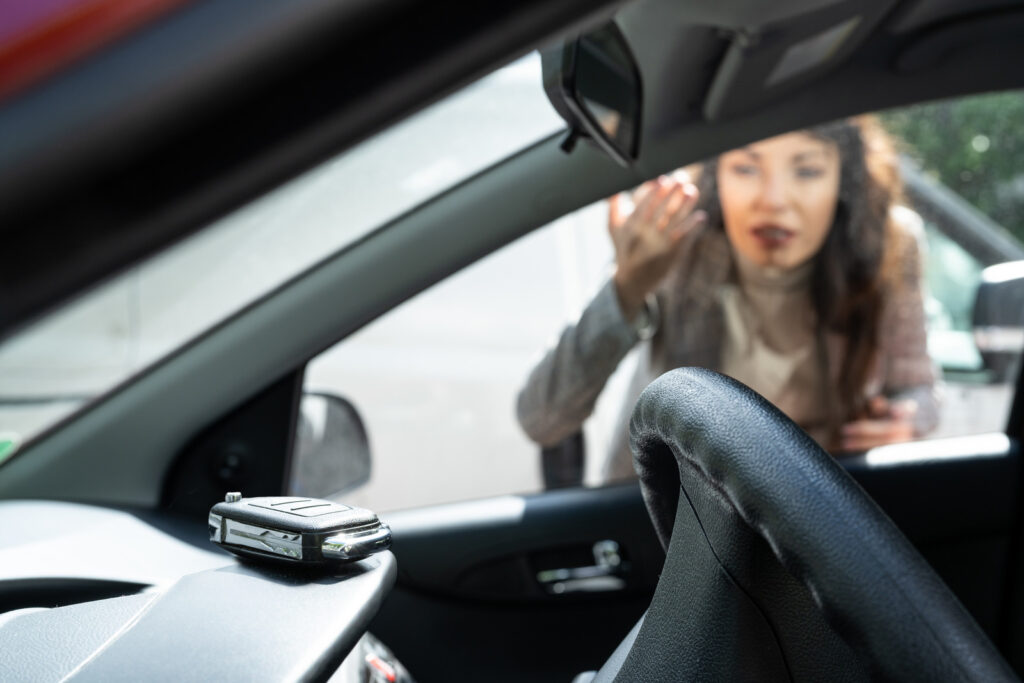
(789, 269)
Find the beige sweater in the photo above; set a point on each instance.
(771, 342)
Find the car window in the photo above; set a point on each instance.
(437, 379)
(963, 177)
(949, 304)
(119, 329)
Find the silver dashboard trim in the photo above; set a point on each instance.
(972, 447)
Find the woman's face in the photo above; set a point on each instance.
(779, 197)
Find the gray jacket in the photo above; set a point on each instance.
(561, 391)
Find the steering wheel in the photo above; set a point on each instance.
(778, 566)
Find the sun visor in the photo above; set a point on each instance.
(764, 63)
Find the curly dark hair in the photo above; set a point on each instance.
(852, 268)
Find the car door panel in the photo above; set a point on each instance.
(956, 500)
(468, 572)
(468, 583)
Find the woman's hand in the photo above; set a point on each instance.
(886, 422)
(646, 241)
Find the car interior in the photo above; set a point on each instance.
(903, 564)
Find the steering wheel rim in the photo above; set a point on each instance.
(778, 565)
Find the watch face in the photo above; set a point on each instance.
(648, 319)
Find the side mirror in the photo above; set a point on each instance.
(998, 319)
(332, 451)
(593, 82)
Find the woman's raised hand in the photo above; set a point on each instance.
(647, 240)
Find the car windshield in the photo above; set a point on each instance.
(114, 332)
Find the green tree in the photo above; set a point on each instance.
(972, 145)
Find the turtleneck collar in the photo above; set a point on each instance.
(754, 276)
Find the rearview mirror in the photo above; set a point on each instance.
(332, 451)
(593, 82)
(999, 319)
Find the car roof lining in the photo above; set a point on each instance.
(720, 68)
(912, 16)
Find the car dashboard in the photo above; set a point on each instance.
(140, 594)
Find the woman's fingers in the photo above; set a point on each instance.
(688, 199)
(668, 202)
(861, 435)
(905, 409)
(641, 192)
(681, 176)
(618, 214)
(886, 422)
(668, 207)
(615, 217)
(868, 428)
(679, 228)
(878, 406)
(657, 205)
(652, 202)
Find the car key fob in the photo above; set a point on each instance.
(296, 530)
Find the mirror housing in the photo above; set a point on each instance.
(998, 319)
(593, 82)
(332, 450)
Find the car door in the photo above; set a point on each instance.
(516, 581)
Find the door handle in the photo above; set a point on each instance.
(607, 574)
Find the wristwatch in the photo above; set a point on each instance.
(647, 321)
